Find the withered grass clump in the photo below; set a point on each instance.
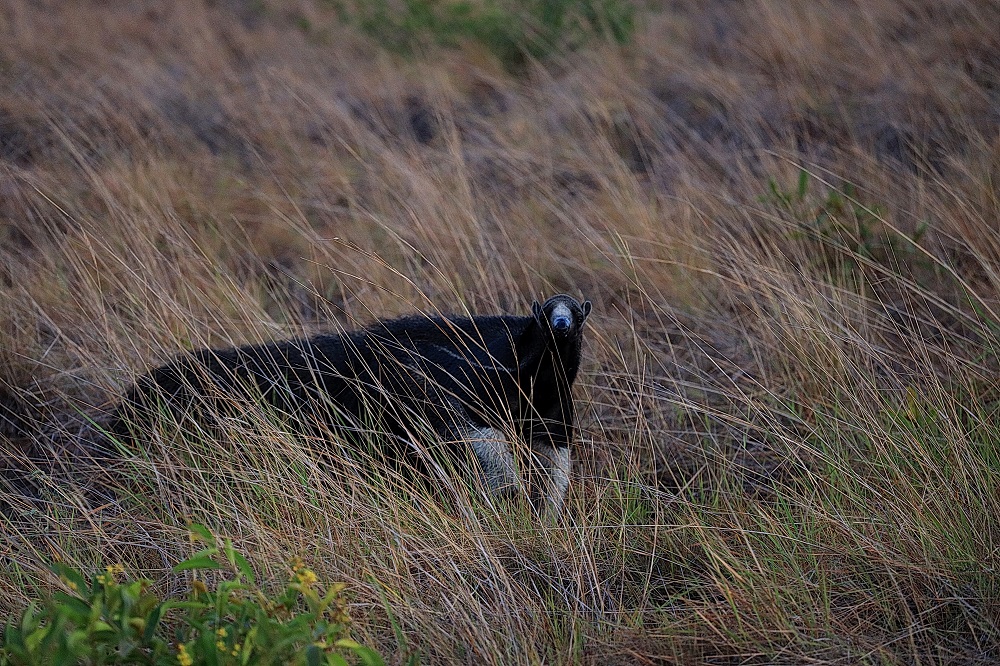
(786, 216)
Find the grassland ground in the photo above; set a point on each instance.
(787, 216)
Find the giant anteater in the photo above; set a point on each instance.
(486, 383)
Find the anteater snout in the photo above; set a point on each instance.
(561, 322)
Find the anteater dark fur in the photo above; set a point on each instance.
(472, 380)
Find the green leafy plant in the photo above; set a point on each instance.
(513, 31)
(845, 228)
(105, 620)
(839, 218)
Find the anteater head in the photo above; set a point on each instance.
(563, 316)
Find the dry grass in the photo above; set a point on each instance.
(790, 449)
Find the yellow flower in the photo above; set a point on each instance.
(221, 632)
(183, 658)
(111, 573)
(306, 577)
(220, 646)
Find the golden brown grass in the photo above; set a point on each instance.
(789, 446)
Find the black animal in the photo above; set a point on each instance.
(485, 384)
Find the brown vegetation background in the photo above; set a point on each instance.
(789, 449)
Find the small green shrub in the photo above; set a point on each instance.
(839, 218)
(105, 620)
(514, 31)
(843, 230)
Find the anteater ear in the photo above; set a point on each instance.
(587, 307)
(536, 310)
